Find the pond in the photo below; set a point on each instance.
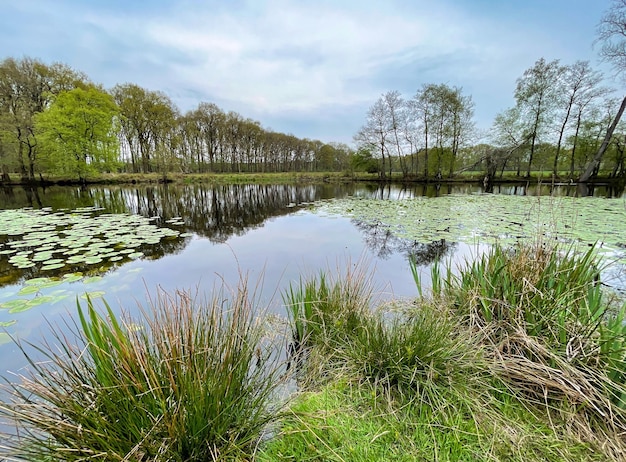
(123, 243)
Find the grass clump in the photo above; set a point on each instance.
(325, 311)
(549, 332)
(518, 356)
(193, 382)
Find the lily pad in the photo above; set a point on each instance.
(28, 290)
(92, 279)
(73, 277)
(37, 281)
(92, 295)
(14, 304)
(52, 267)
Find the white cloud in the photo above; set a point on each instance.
(316, 63)
(295, 57)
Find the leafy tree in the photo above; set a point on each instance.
(363, 161)
(27, 87)
(147, 119)
(536, 97)
(78, 133)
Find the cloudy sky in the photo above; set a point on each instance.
(310, 68)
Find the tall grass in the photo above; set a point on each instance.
(189, 382)
(548, 328)
(325, 310)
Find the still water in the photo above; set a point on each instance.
(269, 233)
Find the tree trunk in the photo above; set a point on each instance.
(595, 162)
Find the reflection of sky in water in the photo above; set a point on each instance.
(273, 252)
(279, 252)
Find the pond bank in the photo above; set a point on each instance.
(300, 177)
(518, 358)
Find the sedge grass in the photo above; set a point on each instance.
(191, 382)
(549, 332)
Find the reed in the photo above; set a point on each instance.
(187, 382)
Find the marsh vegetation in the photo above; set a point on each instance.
(518, 356)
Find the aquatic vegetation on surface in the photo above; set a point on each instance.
(52, 240)
(488, 218)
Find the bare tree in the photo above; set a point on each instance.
(376, 131)
(612, 37)
(580, 85)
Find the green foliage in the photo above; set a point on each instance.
(324, 311)
(544, 318)
(78, 133)
(363, 161)
(193, 382)
(348, 422)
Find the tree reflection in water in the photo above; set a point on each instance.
(383, 243)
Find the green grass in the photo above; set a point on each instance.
(519, 356)
(345, 421)
(189, 382)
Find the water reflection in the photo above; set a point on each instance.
(219, 212)
(383, 243)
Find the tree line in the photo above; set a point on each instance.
(557, 124)
(55, 121)
(565, 120)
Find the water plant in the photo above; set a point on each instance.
(189, 381)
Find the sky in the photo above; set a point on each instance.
(309, 68)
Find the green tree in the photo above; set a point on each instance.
(27, 87)
(147, 119)
(78, 133)
(536, 97)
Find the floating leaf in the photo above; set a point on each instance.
(73, 277)
(28, 290)
(7, 323)
(37, 281)
(52, 267)
(94, 294)
(92, 279)
(14, 304)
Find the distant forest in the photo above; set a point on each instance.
(54, 121)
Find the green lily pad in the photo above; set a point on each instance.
(92, 279)
(73, 277)
(94, 294)
(28, 290)
(7, 323)
(14, 304)
(37, 281)
(52, 267)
